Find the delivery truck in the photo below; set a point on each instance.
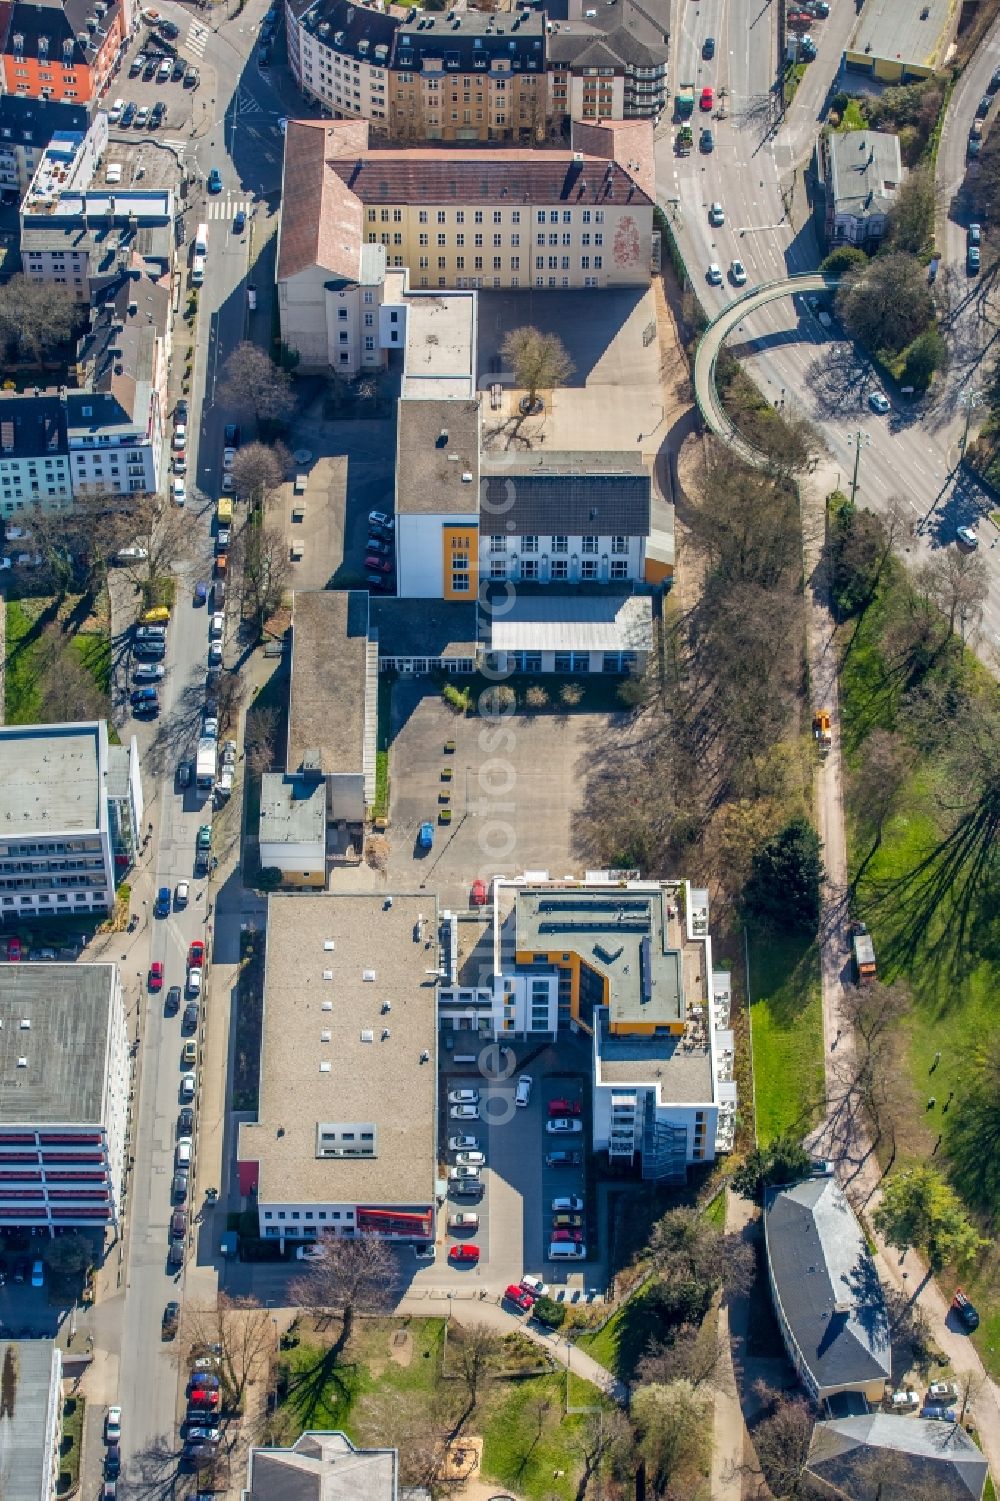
(205, 763)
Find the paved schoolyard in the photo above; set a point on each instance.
(515, 790)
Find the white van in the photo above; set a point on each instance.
(566, 1250)
(197, 270)
(201, 240)
(182, 1156)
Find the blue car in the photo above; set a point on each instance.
(200, 592)
(240, 222)
(425, 838)
(162, 908)
(215, 181)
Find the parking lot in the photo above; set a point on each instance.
(510, 812)
(514, 1206)
(185, 100)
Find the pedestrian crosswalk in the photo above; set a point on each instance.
(176, 144)
(228, 208)
(196, 39)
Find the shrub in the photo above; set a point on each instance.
(459, 699)
(537, 697)
(269, 878)
(547, 1311)
(499, 699)
(784, 884)
(841, 259)
(570, 694)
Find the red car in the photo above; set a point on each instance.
(378, 565)
(564, 1107)
(196, 954)
(201, 1398)
(14, 950)
(464, 1253)
(156, 976)
(520, 1298)
(707, 97)
(478, 894)
(576, 1236)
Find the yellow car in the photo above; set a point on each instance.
(158, 615)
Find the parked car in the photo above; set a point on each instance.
(460, 1174)
(561, 1106)
(156, 975)
(217, 626)
(179, 1188)
(194, 980)
(170, 1320)
(942, 1391)
(378, 565)
(567, 1221)
(196, 954)
(425, 840)
(148, 673)
(983, 107)
(173, 1001)
(181, 891)
(113, 1461)
(380, 521)
(523, 1092)
(940, 1411)
(479, 894)
(185, 1121)
(464, 1112)
(470, 1159)
(967, 537)
(519, 1296)
(535, 1286)
(136, 66)
(189, 1020)
(157, 114)
(563, 1125)
(203, 1398)
(231, 436)
(571, 1204)
(467, 1254)
(563, 1159)
(965, 1311)
(113, 1425)
(379, 545)
(204, 1381)
(463, 1097)
(879, 402)
(187, 1086)
(464, 1220)
(38, 1274)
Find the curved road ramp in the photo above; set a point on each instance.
(707, 354)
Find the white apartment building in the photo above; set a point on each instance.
(64, 1088)
(30, 1452)
(628, 963)
(71, 808)
(34, 455)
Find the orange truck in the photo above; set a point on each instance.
(822, 733)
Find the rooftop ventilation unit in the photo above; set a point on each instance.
(368, 1035)
(368, 976)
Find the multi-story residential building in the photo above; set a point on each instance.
(64, 51)
(469, 76)
(500, 218)
(115, 423)
(345, 1139)
(30, 1449)
(34, 454)
(437, 499)
(627, 963)
(26, 128)
(861, 172)
(825, 1287)
(475, 75)
(64, 1062)
(71, 808)
(82, 235)
(611, 67)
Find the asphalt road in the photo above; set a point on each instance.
(244, 143)
(914, 452)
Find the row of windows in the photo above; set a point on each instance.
(307, 1214)
(79, 896)
(558, 569)
(542, 216)
(530, 544)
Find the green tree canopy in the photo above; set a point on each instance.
(887, 303)
(920, 1211)
(783, 1160)
(785, 877)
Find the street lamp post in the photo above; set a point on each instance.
(858, 441)
(969, 400)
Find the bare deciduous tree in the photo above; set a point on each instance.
(260, 556)
(258, 470)
(674, 1436)
(252, 382)
(244, 1333)
(474, 1353)
(693, 1355)
(261, 729)
(539, 361)
(350, 1275)
(957, 583)
(36, 318)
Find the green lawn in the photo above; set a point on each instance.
(953, 986)
(70, 1447)
(22, 699)
(787, 1028)
(526, 1432)
(853, 119)
(94, 651)
(620, 1345)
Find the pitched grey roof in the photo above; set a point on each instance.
(887, 1455)
(566, 494)
(322, 1466)
(580, 44)
(826, 1282)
